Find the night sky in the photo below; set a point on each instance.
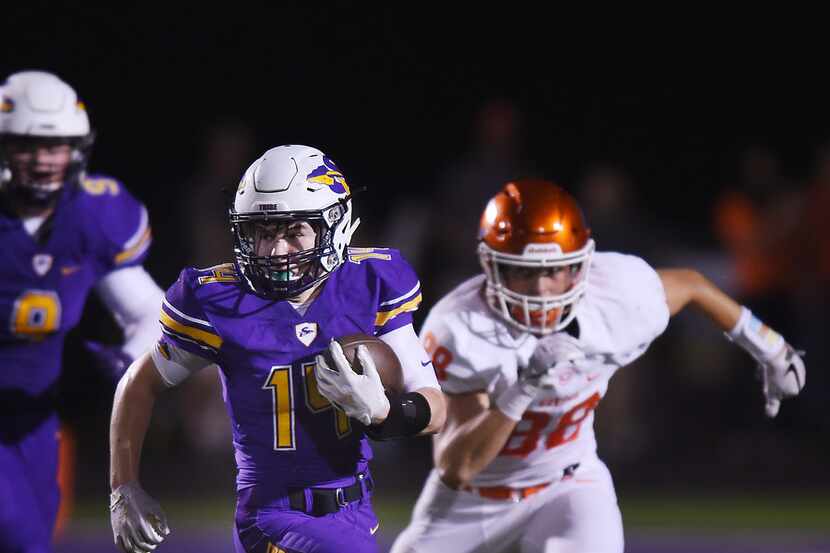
(390, 94)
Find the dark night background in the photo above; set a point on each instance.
(394, 97)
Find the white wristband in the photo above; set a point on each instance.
(514, 401)
(759, 340)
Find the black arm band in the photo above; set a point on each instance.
(408, 414)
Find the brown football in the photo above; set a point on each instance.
(386, 362)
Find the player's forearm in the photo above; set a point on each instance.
(688, 287)
(468, 448)
(438, 410)
(131, 413)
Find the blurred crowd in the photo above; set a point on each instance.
(690, 410)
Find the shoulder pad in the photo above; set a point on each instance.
(398, 287)
(120, 223)
(183, 319)
(624, 305)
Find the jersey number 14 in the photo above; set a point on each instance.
(279, 383)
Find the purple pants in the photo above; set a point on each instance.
(272, 527)
(29, 494)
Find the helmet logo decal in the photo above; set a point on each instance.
(329, 175)
(7, 106)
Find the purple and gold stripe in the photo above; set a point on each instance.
(138, 242)
(177, 324)
(135, 251)
(384, 317)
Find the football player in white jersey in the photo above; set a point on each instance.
(524, 353)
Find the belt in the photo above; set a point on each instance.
(324, 501)
(505, 493)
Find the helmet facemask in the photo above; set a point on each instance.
(33, 183)
(281, 276)
(539, 314)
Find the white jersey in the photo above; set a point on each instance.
(624, 309)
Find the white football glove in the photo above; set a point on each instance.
(551, 365)
(782, 377)
(780, 366)
(138, 523)
(360, 396)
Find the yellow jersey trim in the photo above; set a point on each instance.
(127, 254)
(208, 338)
(384, 317)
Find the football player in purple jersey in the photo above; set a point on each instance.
(299, 423)
(63, 233)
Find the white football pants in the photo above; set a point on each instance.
(576, 515)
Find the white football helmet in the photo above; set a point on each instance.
(292, 183)
(38, 109)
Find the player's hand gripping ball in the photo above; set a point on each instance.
(386, 361)
(356, 386)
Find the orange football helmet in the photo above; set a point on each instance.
(534, 224)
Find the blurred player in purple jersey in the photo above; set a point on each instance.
(63, 233)
(303, 480)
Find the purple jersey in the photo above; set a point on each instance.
(286, 434)
(96, 227)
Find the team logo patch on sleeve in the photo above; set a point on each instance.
(306, 332)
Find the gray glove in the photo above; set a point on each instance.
(138, 523)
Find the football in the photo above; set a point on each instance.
(386, 362)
